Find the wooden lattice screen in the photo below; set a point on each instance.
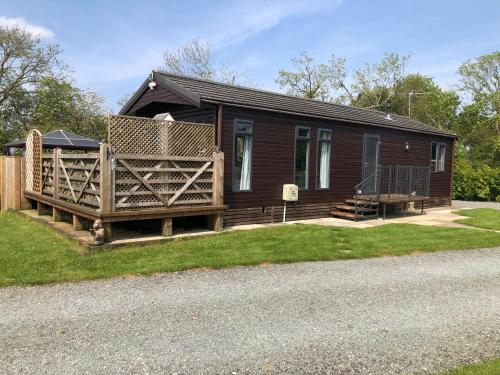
(33, 156)
(145, 136)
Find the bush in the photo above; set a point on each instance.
(476, 184)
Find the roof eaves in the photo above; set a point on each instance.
(359, 122)
(133, 99)
(187, 95)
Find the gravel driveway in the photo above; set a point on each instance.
(412, 314)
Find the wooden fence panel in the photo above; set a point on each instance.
(149, 181)
(145, 136)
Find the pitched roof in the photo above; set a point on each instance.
(63, 139)
(217, 92)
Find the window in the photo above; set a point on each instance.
(437, 156)
(242, 158)
(323, 162)
(302, 142)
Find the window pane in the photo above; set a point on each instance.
(324, 165)
(301, 162)
(243, 127)
(434, 151)
(303, 132)
(242, 162)
(324, 134)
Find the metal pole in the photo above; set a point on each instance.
(284, 212)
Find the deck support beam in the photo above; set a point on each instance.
(77, 223)
(108, 231)
(218, 223)
(56, 215)
(166, 227)
(43, 209)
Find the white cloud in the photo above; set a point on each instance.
(242, 20)
(38, 31)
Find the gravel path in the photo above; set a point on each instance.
(470, 204)
(413, 314)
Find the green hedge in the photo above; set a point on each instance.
(476, 184)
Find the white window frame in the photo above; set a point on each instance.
(318, 157)
(237, 132)
(308, 139)
(437, 164)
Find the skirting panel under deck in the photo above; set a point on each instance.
(274, 214)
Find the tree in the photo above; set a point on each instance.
(24, 59)
(429, 103)
(57, 104)
(481, 78)
(372, 85)
(198, 59)
(375, 84)
(314, 81)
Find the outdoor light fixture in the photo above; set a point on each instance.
(152, 83)
(407, 146)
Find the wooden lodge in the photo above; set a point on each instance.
(339, 156)
(184, 147)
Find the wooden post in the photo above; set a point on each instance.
(218, 127)
(166, 227)
(10, 178)
(218, 188)
(25, 203)
(108, 231)
(77, 223)
(56, 215)
(104, 179)
(43, 209)
(218, 179)
(55, 168)
(218, 222)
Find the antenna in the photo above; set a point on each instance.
(410, 94)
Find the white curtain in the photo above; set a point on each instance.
(245, 164)
(324, 166)
(440, 160)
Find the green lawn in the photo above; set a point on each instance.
(31, 253)
(487, 218)
(488, 368)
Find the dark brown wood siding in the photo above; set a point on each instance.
(273, 157)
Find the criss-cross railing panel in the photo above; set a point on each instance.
(149, 181)
(78, 179)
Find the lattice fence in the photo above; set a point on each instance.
(155, 181)
(48, 174)
(33, 157)
(138, 135)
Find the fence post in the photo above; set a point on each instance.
(55, 169)
(218, 187)
(104, 179)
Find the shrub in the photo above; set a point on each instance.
(476, 184)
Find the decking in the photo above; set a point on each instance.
(389, 185)
(150, 169)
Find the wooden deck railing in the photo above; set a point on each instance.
(109, 182)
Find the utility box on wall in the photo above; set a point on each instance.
(290, 193)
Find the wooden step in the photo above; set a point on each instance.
(345, 207)
(350, 215)
(353, 201)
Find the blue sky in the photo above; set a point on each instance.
(111, 46)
